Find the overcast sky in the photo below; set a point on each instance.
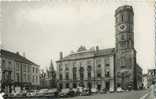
(43, 29)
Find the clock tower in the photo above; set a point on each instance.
(125, 58)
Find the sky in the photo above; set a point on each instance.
(43, 29)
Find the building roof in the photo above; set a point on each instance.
(88, 54)
(16, 57)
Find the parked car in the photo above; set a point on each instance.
(103, 91)
(52, 92)
(71, 93)
(85, 92)
(111, 90)
(119, 89)
(64, 93)
(42, 92)
(32, 93)
(94, 90)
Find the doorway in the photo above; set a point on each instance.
(107, 85)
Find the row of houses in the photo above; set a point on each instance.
(149, 78)
(17, 72)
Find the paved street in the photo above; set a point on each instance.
(124, 95)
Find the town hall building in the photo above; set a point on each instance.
(104, 68)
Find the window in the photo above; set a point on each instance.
(122, 37)
(74, 85)
(36, 70)
(17, 66)
(36, 79)
(107, 64)
(24, 77)
(89, 68)
(122, 62)
(61, 85)
(89, 71)
(3, 62)
(89, 75)
(81, 73)
(9, 63)
(74, 73)
(29, 78)
(33, 79)
(107, 74)
(17, 77)
(99, 66)
(61, 77)
(28, 68)
(60, 67)
(123, 44)
(33, 69)
(66, 67)
(24, 67)
(67, 76)
(122, 18)
(89, 85)
(99, 75)
(67, 85)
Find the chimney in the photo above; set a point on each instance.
(17, 53)
(61, 55)
(97, 48)
(23, 54)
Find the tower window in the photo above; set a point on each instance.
(122, 18)
(122, 37)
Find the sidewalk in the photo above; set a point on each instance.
(151, 94)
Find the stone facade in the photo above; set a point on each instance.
(145, 81)
(86, 68)
(126, 67)
(120, 62)
(18, 72)
(151, 77)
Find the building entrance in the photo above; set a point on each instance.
(99, 87)
(107, 85)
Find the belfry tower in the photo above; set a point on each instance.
(125, 68)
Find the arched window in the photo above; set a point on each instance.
(81, 73)
(122, 18)
(61, 77)
(122, 62)
(74, 73)
(89, 68)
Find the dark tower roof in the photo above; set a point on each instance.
(124, 8)
(51, 67)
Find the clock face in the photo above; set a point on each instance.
(122, 27)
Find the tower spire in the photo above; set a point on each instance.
(51, 67)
